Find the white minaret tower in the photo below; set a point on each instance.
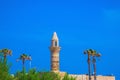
(55, 49)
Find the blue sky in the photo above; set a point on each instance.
(27, 26)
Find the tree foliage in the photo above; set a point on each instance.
(4, 71)
(67, 77)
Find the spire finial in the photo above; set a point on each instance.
(55, 36)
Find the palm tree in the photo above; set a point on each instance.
(88, 52)
(94, 55)
(5, 52)
(24, 57)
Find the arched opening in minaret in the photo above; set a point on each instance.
(56, 43)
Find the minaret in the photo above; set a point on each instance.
(55, 49)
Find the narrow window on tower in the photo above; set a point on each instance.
(55, 43)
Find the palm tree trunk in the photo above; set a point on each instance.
(5, 58)
(94, 71)
(23, 61)
(89, 70)
(94, 66)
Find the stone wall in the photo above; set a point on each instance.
(85, 77)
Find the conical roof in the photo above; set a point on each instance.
(55, 36)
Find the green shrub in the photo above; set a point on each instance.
(4, 70)
(33, 75)
(49, 76)
(67, 77)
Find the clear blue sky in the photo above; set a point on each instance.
(27, 26)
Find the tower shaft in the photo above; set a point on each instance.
(55, 49)
(55, 58)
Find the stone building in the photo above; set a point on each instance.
(85, 77)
